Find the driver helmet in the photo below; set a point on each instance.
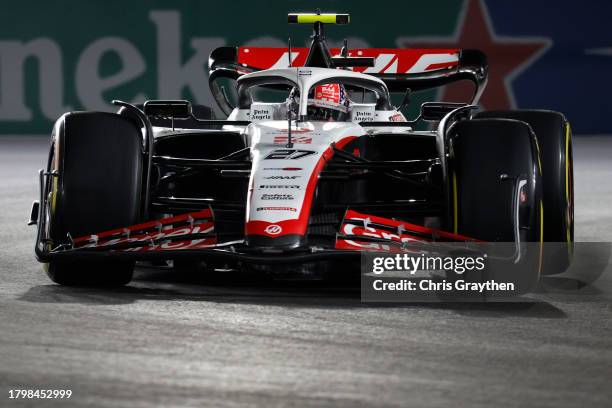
(328, 102)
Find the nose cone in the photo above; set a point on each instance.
(284, 242)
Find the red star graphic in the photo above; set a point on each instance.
(507, 57)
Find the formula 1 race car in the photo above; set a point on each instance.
(313, 165)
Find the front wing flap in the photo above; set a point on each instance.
(363, 232)
(193, 234)
(186, 231)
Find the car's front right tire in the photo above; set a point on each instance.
(496, 195)
(554, 138)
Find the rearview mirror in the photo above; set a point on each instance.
(168, 109)
(405, 100)
(435, 111)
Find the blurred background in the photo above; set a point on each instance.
(65, 55)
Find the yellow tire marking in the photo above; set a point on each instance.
(455, 205)
(541, 235)
(567, 139)
(568, 237)
(53, 194)
(537, 143)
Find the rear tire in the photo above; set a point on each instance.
(488, 158)
(98, 161)
(553, 134)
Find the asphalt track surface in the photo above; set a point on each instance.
(165, 342)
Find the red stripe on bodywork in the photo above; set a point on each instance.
(267, 57)
(441, 65)
(300, 225)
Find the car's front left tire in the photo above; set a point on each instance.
(97, 167)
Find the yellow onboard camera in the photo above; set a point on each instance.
(310, 18)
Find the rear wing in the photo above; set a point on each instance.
(400, 69)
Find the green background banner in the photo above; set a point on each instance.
(60, 55)
(65, 55)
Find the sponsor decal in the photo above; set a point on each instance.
(273, 229)
(367, 246)
(294, 139)
(396, 118)
(171, 233)
(284, 168)
(277, 209)
(288, 154)
(279, 186)
(363, 116)
(281, 177)
(151, 229)
(277, 197)
(353, 230)
(387, 60)
(297, 130)
(405, 233)
(261, 114)
(189, 244)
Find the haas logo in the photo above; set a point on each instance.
(273, 229)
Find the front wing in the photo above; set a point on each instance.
(193, 235)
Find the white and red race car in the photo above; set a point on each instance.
(314, 163)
